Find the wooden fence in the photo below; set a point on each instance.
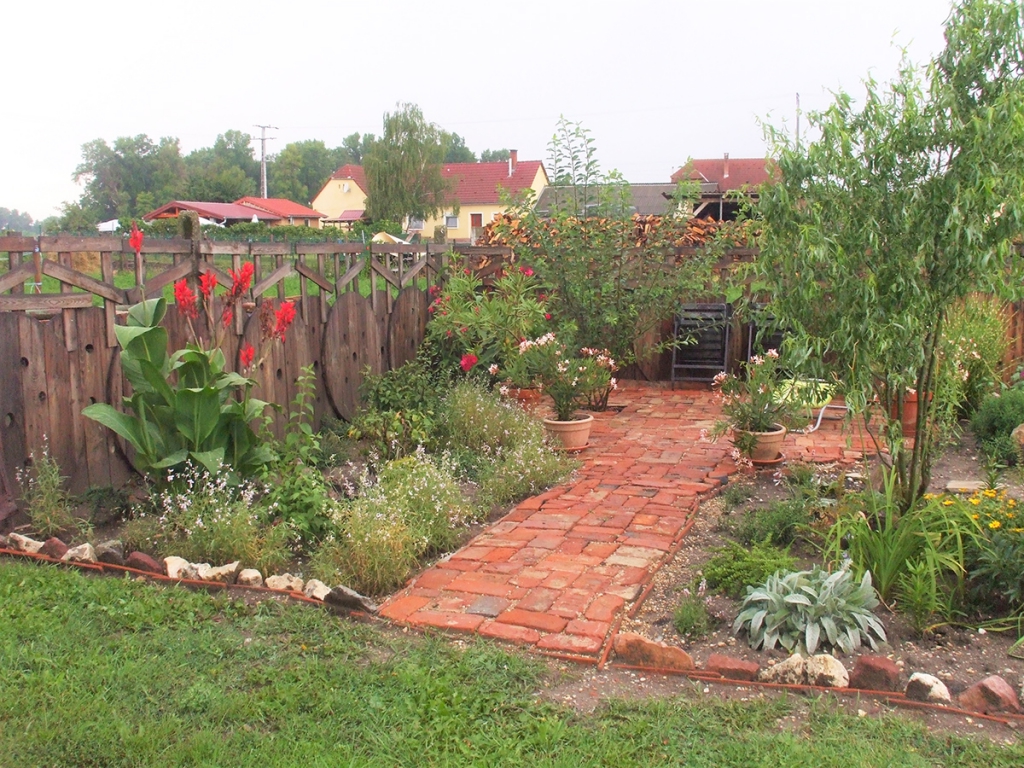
(356, 307)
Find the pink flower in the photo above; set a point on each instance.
(468, 361)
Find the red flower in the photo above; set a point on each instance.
(227, 316)
(468, 361)
(285, 315)
(528, 271)
(246, 355)
(136, 238)
(185, 298)
(547, 315)
(431, 309)
(207, 283)
(240, 280)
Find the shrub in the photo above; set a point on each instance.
(799, 610)
(995, 558)
(47, 504)
(401, 404)
(204, 518)
(971, 356)
(691, 617)
(993, 422)
(736, 567)
(736, 493)
(777, 523)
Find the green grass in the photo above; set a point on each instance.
(110, 672)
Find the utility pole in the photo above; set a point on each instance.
(263, 156)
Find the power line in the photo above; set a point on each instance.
(263, 156)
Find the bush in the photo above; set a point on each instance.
(777, 523)
(691, 617)
(47, 503)
(971, 357)
(735, 567)
(993, 422)
(401, 404)
(802, 609)
(995, 559)
(204, 518)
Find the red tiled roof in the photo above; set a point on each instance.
(480, 182)
(743, 172)
(218, 211)
(280, 206)
(354, 172)
(349, 215)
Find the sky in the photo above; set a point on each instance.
(654, 82)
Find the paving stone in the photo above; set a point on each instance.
(604, 607)
(487, 605)
(509, 632)
(545, 622)
(447, 620)
(570, 643)
(965, 486)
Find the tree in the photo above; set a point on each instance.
(494, 155)
(456, 150)
(301, 169)
(403, 168)
(115, 176)
(894, 215)
(353, 149)
(224, 172)
(15, 221)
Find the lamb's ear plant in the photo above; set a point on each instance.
(804, 609)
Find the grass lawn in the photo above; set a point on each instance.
(108, 672)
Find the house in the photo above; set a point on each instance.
(272, 211)
(719, 177)
(644, 199)
(476, 186)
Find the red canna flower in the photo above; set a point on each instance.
(468, 361)
(246, 355)
(185, 298)
(285, 315)
(227, 316)
(135, 238)
(207, 284)
(240, 280)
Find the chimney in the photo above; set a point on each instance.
(725, 169)
(513, 159)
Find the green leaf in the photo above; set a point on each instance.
(196, 414)
(212, 460)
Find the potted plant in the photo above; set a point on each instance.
(755, 412)
(569, 380)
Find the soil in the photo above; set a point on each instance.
(959, 656)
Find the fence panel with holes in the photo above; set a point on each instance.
(357, 307)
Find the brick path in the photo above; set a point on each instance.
(560, 569)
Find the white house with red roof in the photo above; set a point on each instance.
(720, 176)
(273, 211)
(477, 188)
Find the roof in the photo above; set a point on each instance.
(216, 211)
(647, 199)
(742, 172)
(280, 206)
(481, 182)
(350, 215)
(354, 172)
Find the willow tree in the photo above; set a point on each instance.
(403, 168)
(902, 207)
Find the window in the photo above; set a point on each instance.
(476, 220)
(451, 222)
(415, 225)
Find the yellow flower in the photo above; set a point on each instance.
(994, 524)
(1011, 503)
(989, 492)
(1009, 515)
(975, 517)
(929, 496)
(947, 503)
(975, 500)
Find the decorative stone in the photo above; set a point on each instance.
(826, 670)
(350, 600)
(788, 672)
(285, 582)
(140, 561)
(53, 547)
(250, 577)
(875, 673)
(1018, 435)
(224, 574)
(316, 589)
(83, 553)
(732, 669)
(993, 694)
(24, 543)
(192, 571)
(110, 552)
(635, 649)
(174, 566)
(3, 542)
(922, 687)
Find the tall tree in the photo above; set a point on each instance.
(494, 155)
(456, 150)
(301, 169)
(353, 149)
(900, 210)
(224, 172)
(115, 176)
(14, 220)
(403, 168)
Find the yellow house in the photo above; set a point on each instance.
(477, 188)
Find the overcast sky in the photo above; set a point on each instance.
(655, 82)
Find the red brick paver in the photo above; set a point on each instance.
(561, 568)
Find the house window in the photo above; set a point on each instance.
(476, 220)
(415, 225)
(451, 222)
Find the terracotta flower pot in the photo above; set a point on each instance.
(527, 397)
(573, 435)
(767, 446)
